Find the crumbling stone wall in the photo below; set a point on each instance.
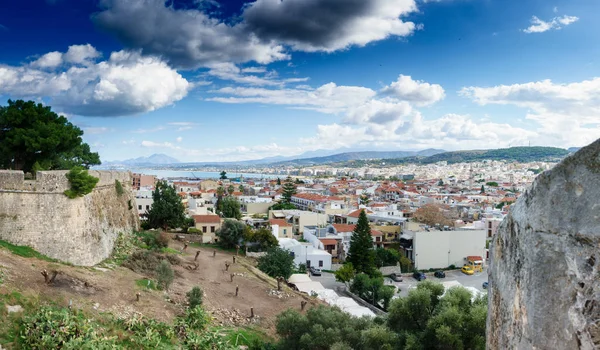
(545, 262)
(81, 231)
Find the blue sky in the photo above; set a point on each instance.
(227, 80)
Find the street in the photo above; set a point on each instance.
(327, 280)
(476, 280)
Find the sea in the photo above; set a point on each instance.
(164, 174)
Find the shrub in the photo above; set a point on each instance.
(81, 182)
(193, 230)
(55, 328)
(194, 297)
(119, 188)
(196, 318)
(164, 275)
(155, 240)
(452, 267)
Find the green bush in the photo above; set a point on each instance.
(194, 297)
(54, 328)
(164, 275)
(452, 267)
(81, 182)
(193, 230)
(155, 240)
(119, 188)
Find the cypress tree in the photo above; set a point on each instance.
(289, 189)
(361, 253)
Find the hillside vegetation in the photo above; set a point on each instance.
(513, 154)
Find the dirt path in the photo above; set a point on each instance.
(114, 290)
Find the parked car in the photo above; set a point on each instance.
(315, 271)
(396, 277)
(419, 276)
(467, 270)
(440, 274)
(485, 285)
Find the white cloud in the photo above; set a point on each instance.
(81, 54)
(128, 142)
(179, 139)
(539, 26)
(254, 70)
(49, 60)
(555, 9)
(124, 84)
(566, 113)
(263, 33)
(96, 130)
(415, 91)
(145, 131)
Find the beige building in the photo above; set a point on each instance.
(285, 229)
(299, 219)
(208, 226)
(209, 185)
(141, 180)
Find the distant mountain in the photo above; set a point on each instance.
(573, 149)
(352, 156)
(516, 154)
(155, 159)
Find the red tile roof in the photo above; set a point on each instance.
(280, 222)
(326, 241)
(356, 213)
(207, 219)
(376, 233)
(344, 227)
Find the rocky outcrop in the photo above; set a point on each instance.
(545, 262)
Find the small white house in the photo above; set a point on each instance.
(305, 253)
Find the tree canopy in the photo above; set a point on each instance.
(231, 208)
(231, 233)
(277, 262)
(262, 236)
(361, 253)
(167, 210)
(81, 182)
(223, 175)
(32, 134)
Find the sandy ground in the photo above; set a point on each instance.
(114, 290)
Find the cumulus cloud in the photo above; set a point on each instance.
(125, 84)
(190, 38)
(187, 38)
(81, 54)
(328, 25)
(418, 92)
(49, 60)
(539, 26)
(566, 113)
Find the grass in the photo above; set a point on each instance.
(168, 250)
(217, 247)
(146, 284)
(24, 251)
(245, 336)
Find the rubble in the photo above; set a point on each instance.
(278, 294)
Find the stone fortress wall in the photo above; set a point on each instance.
(80, 231)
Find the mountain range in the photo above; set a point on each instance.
(361, 158)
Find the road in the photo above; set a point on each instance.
(476, 280)
(327, 280)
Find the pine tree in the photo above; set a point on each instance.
(361, 253)
(278, 182)
(167, 209)
(482, 189)
(289, 189)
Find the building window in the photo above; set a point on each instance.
(320, 263)
(140, 207)
(285, 231)
(212, 229)
(204, 229)
(147, 207)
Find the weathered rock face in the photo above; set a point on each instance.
(81, 231)
(545, 262)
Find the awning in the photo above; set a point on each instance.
(278, 215)
(299, 278)
(406, 236)
(308, 287)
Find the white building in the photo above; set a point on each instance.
(305, 253)
(439, 249)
